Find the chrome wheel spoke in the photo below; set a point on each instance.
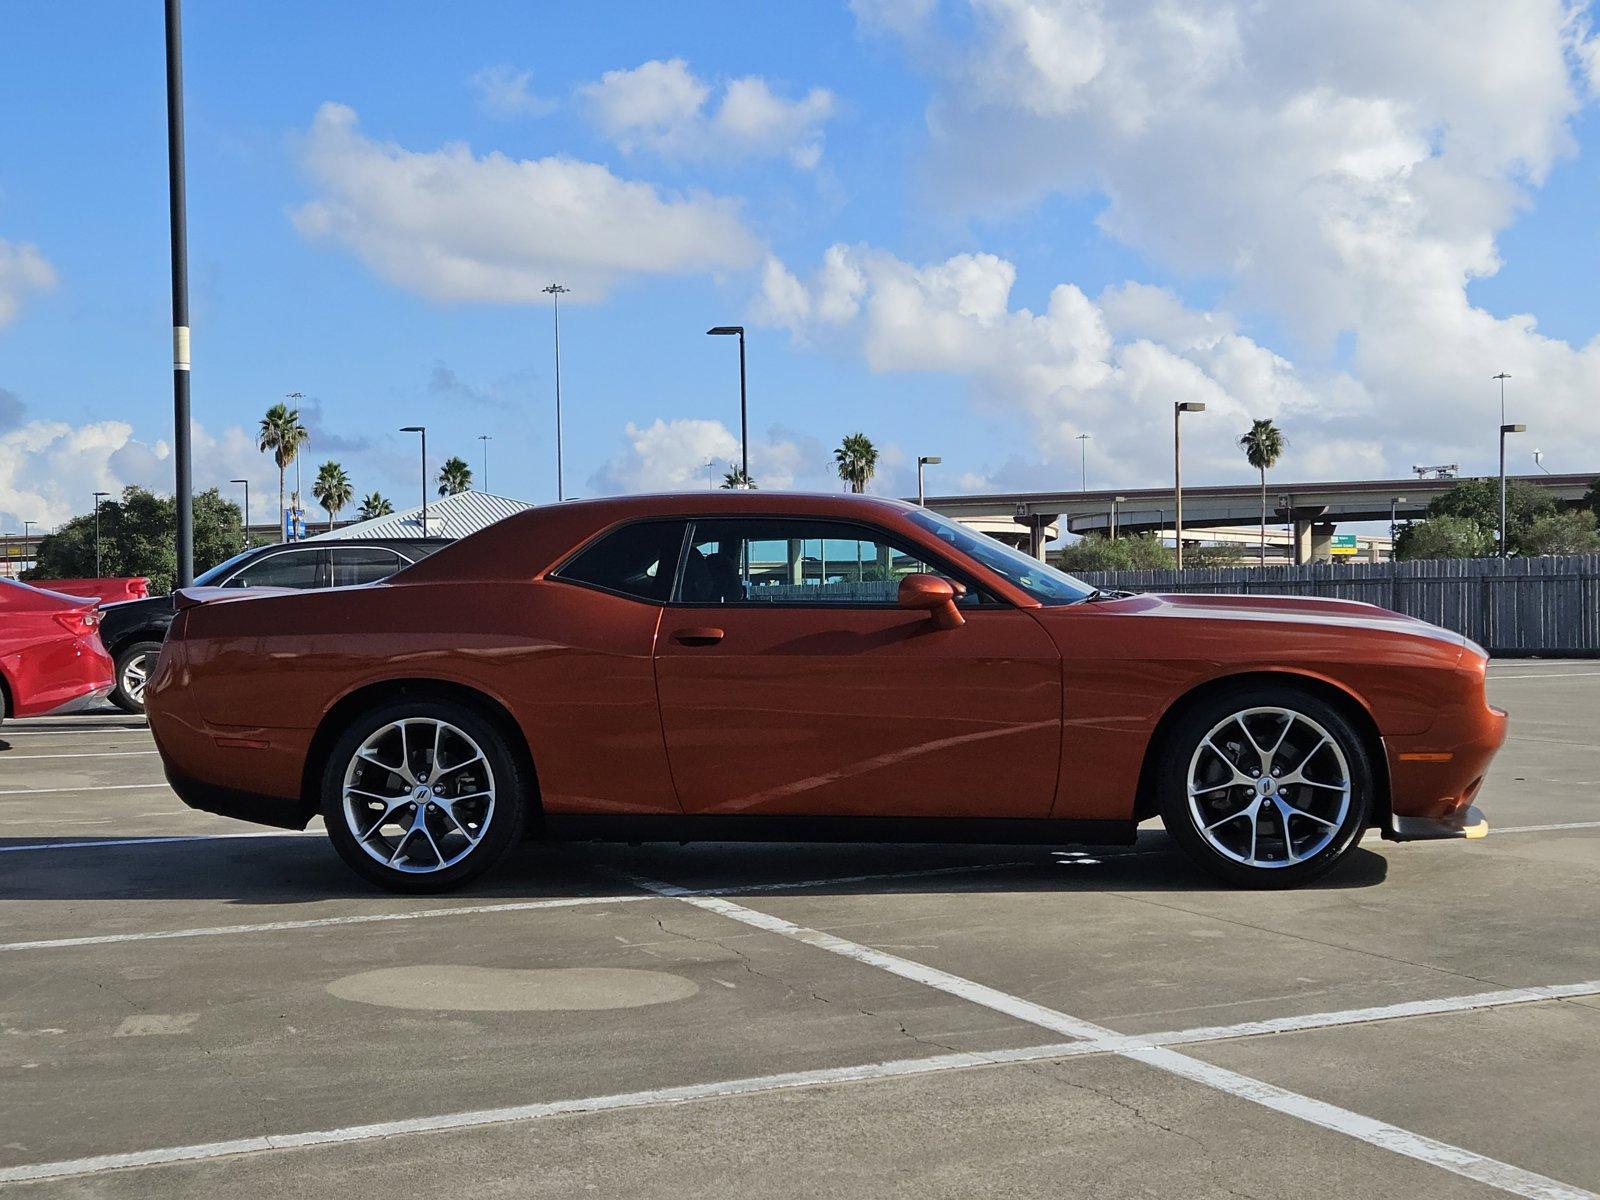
(392, 836)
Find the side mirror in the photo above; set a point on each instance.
(935, 596)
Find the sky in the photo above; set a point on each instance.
(967, 228)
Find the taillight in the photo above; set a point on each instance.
(80, 622)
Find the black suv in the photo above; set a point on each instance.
(132, 630)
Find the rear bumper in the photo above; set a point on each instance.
(238, 804)
(78, 703)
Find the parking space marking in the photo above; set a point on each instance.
(99, 787)
(7, 733)
(166, 839)
(161, 935)
(1130, 1046)
(1454, 1159)
(1554, 675)
(1548, 828)
(5, 758)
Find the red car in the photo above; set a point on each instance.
(759, 665)
(108, 590)
(51, 660)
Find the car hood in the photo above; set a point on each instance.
(1320, 611)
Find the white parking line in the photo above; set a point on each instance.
(99, 843)
(5, 758)
(7, 732)
(99, 787)
(1400, 1141)
(1551, 675)
(1128, 1046)
(1548, 828)
(161, 935)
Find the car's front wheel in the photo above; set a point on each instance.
(1266, 787)
(134, 666)
(422, 796)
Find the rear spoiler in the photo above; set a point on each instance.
(189, 597)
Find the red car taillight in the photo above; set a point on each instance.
(80, 622)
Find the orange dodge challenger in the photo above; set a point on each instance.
(754, 665)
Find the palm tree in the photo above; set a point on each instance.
(735, 477)
(455, 476)
(1263, 446)
(332, 489)
(282, 434)
(857, 459)
(374, 505)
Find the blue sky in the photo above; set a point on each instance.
(988, 173)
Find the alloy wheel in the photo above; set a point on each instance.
(1269, 787)
(418, 795)
(135, 674)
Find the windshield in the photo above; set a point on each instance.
(1040, 580)
(217, 572)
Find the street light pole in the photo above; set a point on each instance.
(744, 412)
(27, 532)
(1505, 429)
(1115, 500)
(246, 483)
(485, 439)
(1502, 377)
(925, 460)
(183, 483)
(1083, 461)
(1178, 409)
(556, 291)
(423, 430)
(98, 496)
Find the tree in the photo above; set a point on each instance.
(1572, 532)
(857, 460)
(1262, 447)
(1591, 498)
(1092, 552)
(735, 477)
(332, 489)
(1478, 501)
(374, 505)
(281, 435)
(138, 535)
(1447, 536)
(455, 476)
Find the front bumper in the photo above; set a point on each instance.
(1435, 778)
(1465, 822)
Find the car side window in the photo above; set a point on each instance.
(638, 560)
(777, 560)
(363, 564)
(289, 569)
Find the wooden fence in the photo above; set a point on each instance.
(1512, 606)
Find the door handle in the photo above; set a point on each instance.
(698, 635)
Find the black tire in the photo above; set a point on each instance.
(418, 870)
(127, 694)
(1286, 833)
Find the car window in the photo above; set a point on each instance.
(363, 564)
(638, 560)
(776, 560)
(1040, 580)
(290, 569)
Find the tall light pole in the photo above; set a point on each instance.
(246, 483)
(1502, 377)
(485, 439)
(1083, 461)
(183, 483)
(98, 496)
(27, 532)
(555, 292)
(1538, 461)
(744, 421)
(1178, 409)
(423, 430)
(1505, 429)
(925, 460)
(1115, 500)
(295, 501)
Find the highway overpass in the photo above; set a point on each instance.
(1314, 509)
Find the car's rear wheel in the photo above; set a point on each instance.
(1266, 787)
(135, 664)
(422, 796)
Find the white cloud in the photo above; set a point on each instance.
(667, 456)
(48, 469)
(663, 107)
(454, 226)
(23, 272)
(1347, 167)
(1111, 366)
(507, 93)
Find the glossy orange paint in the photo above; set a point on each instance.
(633, 707)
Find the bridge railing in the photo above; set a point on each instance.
(1548, 605)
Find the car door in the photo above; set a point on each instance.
(791, 682)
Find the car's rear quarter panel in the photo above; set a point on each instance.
(572, 666)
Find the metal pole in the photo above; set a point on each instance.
(98, 496)
(556, 291)
(1502, 488)
(744, 416)
(183, 482)
(485, 439)
(246, 483)
(1083, 461)
(1177, 482)
(27, 532)
(922, 496)
(424, 481)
